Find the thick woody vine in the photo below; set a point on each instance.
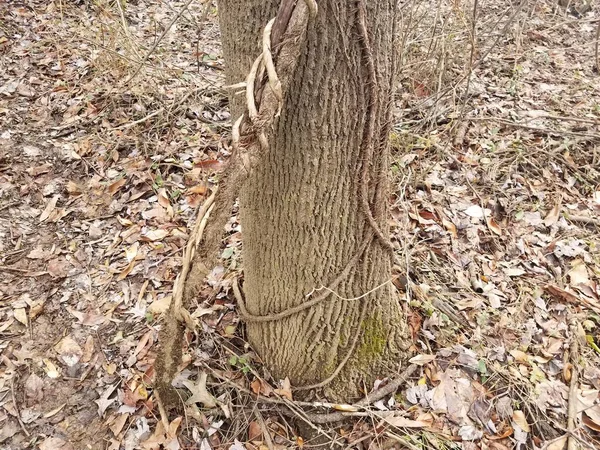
(265, 88)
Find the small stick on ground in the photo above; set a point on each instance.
(16, 406)
(572, 411)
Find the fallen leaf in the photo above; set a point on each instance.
(50, 368)
(254, 431)
(421, 359)
(154, 235)
(493, 225)
(55, 443)
(34, 388)
(118, 423)
(261, 387)
(286, 389)
(160, 306)
(578, 274)
(49, 208)
(21, 315)
(475, 211)
(197, 189)
(113, 188)
(54, 411)
(88, 349)
(552, 216)
(520, 419)
(558, 444)
(199, 392)
(132, 251)
(69, 351)
(403, 422)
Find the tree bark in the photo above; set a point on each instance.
(301, 213)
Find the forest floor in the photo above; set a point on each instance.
(113, 122)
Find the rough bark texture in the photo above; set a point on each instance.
(242, 23)
(300, 208)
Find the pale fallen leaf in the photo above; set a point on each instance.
(476, 211)
(552, 216)
(21, 315)
(199, 392)
(558, 444)
(55, 443)
(578, 274)
(426, 420)
(520, 356)
(155, 235)
(49, 208)
(132, 252)
(286, 389)
(520, 419)
(421, 359)
(50, 368)
(54, 411)
(104, 402)
(117, 425)
(160, 306)
(69, 351)
(514, 271)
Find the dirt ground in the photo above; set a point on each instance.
(113, 124)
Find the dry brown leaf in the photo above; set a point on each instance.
(520, 356)
(261, 387)
(198, 189)
(113, 188)
(119, 422)
(493, 225)
(552, 216)
(49, 208)
(88, 349)
(254, 431)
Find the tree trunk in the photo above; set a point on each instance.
(301, 213)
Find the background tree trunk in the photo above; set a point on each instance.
(300, 208)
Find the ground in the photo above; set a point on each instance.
(113, 128)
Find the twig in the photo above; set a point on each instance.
(24, 272)
(142, 120)
(266, 433)
(143, 62)
(16, 406)
(572, 410)
(584, 219)
(596, 48)
(369, 399)
(539, 129)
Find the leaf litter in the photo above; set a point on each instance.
(495, 208)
